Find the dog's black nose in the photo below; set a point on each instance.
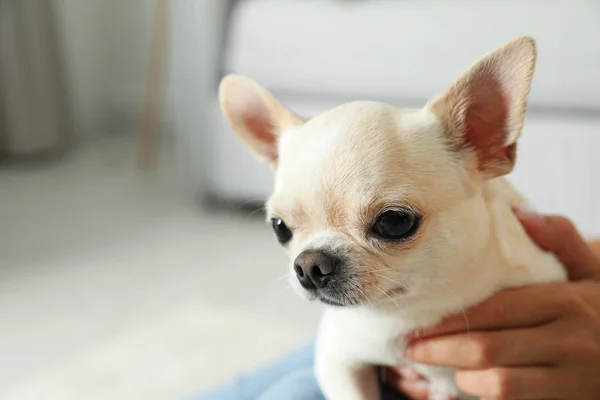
(314, 268)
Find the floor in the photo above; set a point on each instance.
(116, 284)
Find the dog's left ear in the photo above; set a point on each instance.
(484, 110)
(255, 116)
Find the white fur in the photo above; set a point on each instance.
(350, 340)
(335, 172)
(480, 248)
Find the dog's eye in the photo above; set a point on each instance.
(396, 224)
(281, 230)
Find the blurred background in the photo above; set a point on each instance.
(134, 260)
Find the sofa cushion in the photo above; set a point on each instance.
(390, 49)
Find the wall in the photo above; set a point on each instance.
(105, 44)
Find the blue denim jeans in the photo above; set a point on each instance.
(291, 378)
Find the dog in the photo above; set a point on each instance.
(397, 218)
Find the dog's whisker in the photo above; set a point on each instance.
(462, 309)
(418, 333)
(375, 270)
(389, 297)
(401, 285)
(250, 201)
(393, 280)
(253, 213)
(280, 282)
(363, 293)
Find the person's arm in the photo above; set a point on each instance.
(595, 246)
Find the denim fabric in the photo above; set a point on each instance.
(291, 378)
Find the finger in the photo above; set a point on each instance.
(558, 235)
(406, 373)
(477, 350)
(513, 383)
(512, 308)
(414, 388)
(595, 246)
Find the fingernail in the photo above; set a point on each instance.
(412, 336)
(433, 396)
(529, 215)
(409, 373)
(407, 352)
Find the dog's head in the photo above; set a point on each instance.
(377, 204)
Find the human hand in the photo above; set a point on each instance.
(537, 342)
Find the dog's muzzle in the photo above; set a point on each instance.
(321, 274)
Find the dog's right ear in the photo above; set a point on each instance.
(484, 110)
(255, 116)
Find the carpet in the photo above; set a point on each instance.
(190, 350)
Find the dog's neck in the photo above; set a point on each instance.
(522, 261)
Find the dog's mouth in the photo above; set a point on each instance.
(333, 302)
(348, 291)
(350, 299)
(335, 299)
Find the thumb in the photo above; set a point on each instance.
(558, 235)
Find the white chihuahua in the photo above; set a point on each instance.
(397, 218)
